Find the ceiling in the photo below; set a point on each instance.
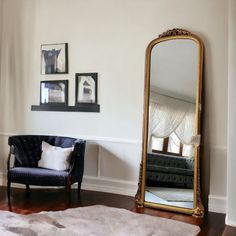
(174, 65)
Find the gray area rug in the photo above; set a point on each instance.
(90, 221)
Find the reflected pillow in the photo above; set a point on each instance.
(55, 158)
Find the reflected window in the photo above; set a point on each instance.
(157, 143)
(174, 145)
(188, 150)
(171, 145)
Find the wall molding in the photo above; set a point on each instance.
(3, 178)
(110, 185)
(217, 204)
(94, 183)
(86, 137)
(129, 188)
(118, 186)
(230, 222)
(101, 184)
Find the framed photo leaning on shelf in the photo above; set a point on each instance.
(54, 92)
(86, 88)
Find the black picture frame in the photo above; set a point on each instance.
(86, 89)
(54, 58)
(54, 92)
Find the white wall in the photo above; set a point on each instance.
(110, 37)
(1, 24)
(1, 19)
(231, 174)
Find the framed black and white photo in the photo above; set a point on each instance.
(54, 92)
(86, 88)
(54, 58)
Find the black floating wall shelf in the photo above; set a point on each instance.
(65, 108)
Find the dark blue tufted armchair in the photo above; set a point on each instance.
(27, 152)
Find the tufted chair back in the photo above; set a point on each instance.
(28, 147)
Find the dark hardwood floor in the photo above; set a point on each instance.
(59, 199)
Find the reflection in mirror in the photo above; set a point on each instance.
(172, 125)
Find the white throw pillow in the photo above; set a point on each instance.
(55, 158)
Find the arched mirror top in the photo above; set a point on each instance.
(175, 34)
(167, 59)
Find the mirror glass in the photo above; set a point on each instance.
(172, 125)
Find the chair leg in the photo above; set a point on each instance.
(68, 188)
(79, 187)
(9, 192)
(27, 189)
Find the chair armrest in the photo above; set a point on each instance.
(74, 155)
(77, 163)
(72, 164)
(11, 151)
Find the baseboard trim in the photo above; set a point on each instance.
(108, 189)
(217, 204)
(229, 222)
(110, 185)
(101, 184)
(129, 188)
(2, 178)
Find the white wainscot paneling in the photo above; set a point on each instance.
(218, 179)
(117, 164)
(111, 165)
(4, 149)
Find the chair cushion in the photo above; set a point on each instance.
(38, 176)
(55, 158)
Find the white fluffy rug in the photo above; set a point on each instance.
(90, 221)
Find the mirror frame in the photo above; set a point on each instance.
(198, 209)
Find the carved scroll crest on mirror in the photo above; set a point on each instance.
(170, 169)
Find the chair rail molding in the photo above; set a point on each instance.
(86, 137)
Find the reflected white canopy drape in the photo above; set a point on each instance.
(168, 115)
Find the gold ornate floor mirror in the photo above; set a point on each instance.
(170, 167)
